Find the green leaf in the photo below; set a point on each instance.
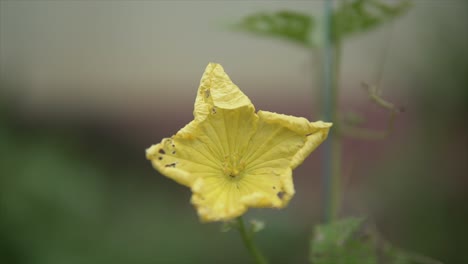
(350, 17)
(342, 242)
(289, 25)
(359, 16)
(353, 241)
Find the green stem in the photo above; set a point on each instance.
(336, 153)
(332, 152)
(249, 244)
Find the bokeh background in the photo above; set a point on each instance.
(87, 86)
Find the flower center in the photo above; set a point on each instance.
(233, 167)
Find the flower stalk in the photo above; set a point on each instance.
(247, 238)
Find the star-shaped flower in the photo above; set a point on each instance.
(231, 157)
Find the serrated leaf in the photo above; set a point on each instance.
(359, 16)
(290, 25)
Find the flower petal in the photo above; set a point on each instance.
(314, 133)
(217, 90)
(185, 156)
(200, 152)
(318, 133)
(217, 199)
(227, 133)
(273, 187)
(280, 144)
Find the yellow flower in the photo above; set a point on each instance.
(231, 157)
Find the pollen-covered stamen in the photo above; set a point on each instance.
(234, 174)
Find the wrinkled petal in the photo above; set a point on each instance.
(216, 90)
(312, 133)
(279, 145)
(318, 133)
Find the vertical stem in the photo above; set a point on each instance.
(248, 242)
(335, 202)
(332, 148)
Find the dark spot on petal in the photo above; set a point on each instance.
(173, 152)
(162, 151)
(213, 110)
(173, 145)
(274, 187)
(280, 194)
(308, 134)
(172, 165)
(160, 158)
(207, 93)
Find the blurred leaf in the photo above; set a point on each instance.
(342, 242)
(257, 225)
(353, 118)
(359, 16)
(351, 17)
(290, 25)
(352, 241)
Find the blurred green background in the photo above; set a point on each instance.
(86, 87)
